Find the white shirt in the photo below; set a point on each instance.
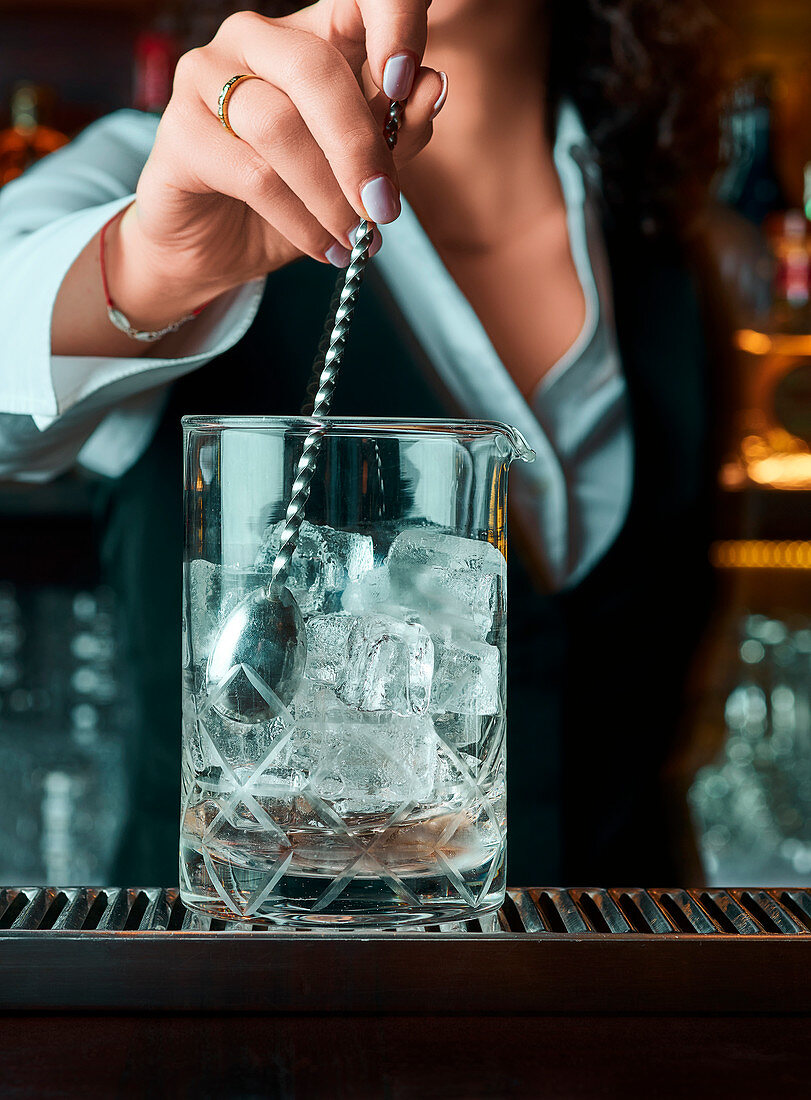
(102, 412)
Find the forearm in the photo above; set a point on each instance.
(150, 299)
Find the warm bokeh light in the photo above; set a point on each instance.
(762, 343)
(761, 554)
(782, 471)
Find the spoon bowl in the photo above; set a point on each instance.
(258, 658)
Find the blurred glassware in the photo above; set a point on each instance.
(752, 806)
(65, 715)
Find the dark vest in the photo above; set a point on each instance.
(596, 674)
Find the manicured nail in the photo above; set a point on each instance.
(398, 76)
(353, 234)
(443, 95)
(337, 255)
(380, 200)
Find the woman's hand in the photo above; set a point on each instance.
(214, 210)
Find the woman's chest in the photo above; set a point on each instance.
(526, 292)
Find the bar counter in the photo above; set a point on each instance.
(570, 993)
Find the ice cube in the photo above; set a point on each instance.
(203, 603)
(193, 751)
(456, 784)
(324, 562)
(388, 666)
(317, 710)
(458, 730)
(327, 637)
(372, 590)
(213, 592)
(454, 578)
(239, 745)
(315, 703)
(373, 594)
(360, 763)
(466, 677)
(370, 764)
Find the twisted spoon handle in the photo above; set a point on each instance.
(350, 286)
(391, 130)
(327, 363)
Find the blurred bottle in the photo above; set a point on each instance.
(747, 189)
(772, 436)
(751, 185)
(790, 238)
(775, 419)
(156, 54)
(28, 139)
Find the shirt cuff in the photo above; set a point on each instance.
(44, 386)
(217, 329)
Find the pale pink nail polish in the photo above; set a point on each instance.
(380, 200)
(353, 232)
(377, 242)
(337, 255)
(443, 95)
(398, 76)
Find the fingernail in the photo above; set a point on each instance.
(353, 234)
(380, 200)
(337, 255)
(443, 95)
(377, 243)
(398, 76)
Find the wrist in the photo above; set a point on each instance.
(143, 284)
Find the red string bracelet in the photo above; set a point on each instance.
(117, 318)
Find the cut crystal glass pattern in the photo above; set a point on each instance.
(244, 787)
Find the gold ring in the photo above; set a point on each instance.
(225, 95)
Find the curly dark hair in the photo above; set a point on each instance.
(645, 76)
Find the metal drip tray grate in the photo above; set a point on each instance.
(547, 950)
(711, 912)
